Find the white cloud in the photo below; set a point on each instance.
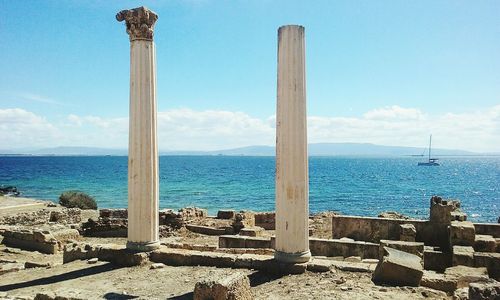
(187, 129)
(21, 128)
(38, 98)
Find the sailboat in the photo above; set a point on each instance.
(431, 161)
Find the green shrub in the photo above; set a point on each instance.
(77, 199)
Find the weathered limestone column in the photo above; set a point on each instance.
(143, 148)
(292, 178)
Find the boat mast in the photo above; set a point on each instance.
(430, 142)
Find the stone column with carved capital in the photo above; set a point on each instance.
(143, 191)
(292, 177)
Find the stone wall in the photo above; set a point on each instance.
(49, 242)
(376, 229)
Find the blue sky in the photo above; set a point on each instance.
(386, 72)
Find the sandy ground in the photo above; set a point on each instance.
(103, 280)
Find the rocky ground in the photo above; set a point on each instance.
(39, 272)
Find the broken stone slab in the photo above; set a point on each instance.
(235, 286)
(34, 264)
(485, 243)
(358, 267)
(415, 248)
(440, 282)
(462, 233)
(157, 266)
(252, 231)
(398, 268)
(436, 260)
(463, 255)
(226, 214)
(484, 291)
(466, 275)
(11, 267)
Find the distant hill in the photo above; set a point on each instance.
(317, 149)
(333, 149)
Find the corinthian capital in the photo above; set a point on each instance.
(140, 22)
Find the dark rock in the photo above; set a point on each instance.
(9, 191)
(392, 215)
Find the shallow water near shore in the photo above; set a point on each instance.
(351, 185)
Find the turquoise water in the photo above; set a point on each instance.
(350, 185)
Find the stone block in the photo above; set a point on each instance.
(485, 243)
(231, 241)
(257, 242)
(319, 265)
(491, 261)
(226, 214)
(484, 291)
(235, 241)
(465, 275)
(436, 260)
(440, 282)
(266, 220)
(252, 231)
(488, 229)
(416, 248)
(206, 230)
(462, 233)
(408, 232)
(243, 219)
(398, 268)
(463, 255)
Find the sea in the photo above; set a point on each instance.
(363, 186)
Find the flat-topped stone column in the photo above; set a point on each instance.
(292, 178)
(143, 147)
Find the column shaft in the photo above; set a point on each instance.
(292, 179)
(143, 191)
